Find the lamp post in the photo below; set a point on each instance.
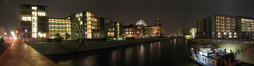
(5, 36)
(213, 36)
(249, 34)
(204, 35)
(26, 34)
(17, 33)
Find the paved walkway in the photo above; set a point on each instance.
(20, 54)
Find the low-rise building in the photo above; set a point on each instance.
(114, 30)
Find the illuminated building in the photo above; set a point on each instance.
(131, 31)
(60, 26)
(83, 24)
(156, 30)
(244, 26)
(224, 27)
(33, 22)
(114, 30)
(186, 33)
(4, 33)
(141, 29)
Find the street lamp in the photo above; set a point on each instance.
(26, 34)
(213, 36)
(5, 36)
(17, 33)
(204, 35)
(249, 33)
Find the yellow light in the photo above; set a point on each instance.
(34, 8)
(34, 35)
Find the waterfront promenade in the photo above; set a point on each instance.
(20, 54)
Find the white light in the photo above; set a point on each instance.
(12, 33)
(201, 53)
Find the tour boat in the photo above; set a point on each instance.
(207, 56)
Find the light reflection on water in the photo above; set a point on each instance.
(168, 52)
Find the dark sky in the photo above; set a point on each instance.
(174, 14)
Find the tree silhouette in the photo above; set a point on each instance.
(67, 36)
(58, 36)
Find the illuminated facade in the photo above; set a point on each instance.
(83, 23)
(224, 27)
(131, 31)
(60, 26)
(142, 30)
(114, 30)
(33, 23)
(4, 33)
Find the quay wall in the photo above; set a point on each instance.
(64, 48)
(242, 51)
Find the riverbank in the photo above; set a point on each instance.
(64, 48)
(242, 51)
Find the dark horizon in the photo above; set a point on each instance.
(173, 14)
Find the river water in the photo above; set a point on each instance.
(173, 52)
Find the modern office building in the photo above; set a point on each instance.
(61, 26)
(83, 23)
(224, 27)
(33, 23)
(114, 30)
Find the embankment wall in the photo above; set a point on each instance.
(63, 48)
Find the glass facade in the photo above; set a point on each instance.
(245, 24)
(60, 26)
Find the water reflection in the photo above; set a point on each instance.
(129, 56)
(141, 54)
(90, 61)
(160, 53)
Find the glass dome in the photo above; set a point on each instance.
(141, 22)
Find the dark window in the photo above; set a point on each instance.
(41, 29)
(41, 8)
(41, 23)
(26, 13)
(157, 29)
(26, 35)
(42, 19)
(25, 6)
(28, 29)
(26, 23)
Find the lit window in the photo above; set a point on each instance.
(129, 32)
(126, 32)
(126, 29)
(81, 22)
(129, 29)
(41, 14)
(34, 8)
(110, 34)
(34, 13)
(80, 14)
(34, 29)
(34, 35)
(26, 18)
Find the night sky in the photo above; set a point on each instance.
(174, 14)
